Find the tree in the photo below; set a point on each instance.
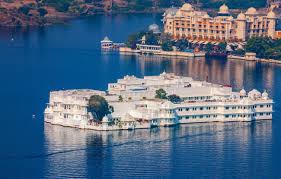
(24, 9)
(239, 52)
(151, 38)
(120, 98)
(133, 39)
(98, 106)
(174, 98)
(167, 45)
(208, 47)
(161, 94)
(42, 12)
(182, 44)
(259, 45)
(222, 46)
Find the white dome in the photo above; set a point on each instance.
(251, 11)
(241, 16)
(167, 105)
(154, 28)
(206, 16)
(224, 9)
(178, 14)
(265, 95)
(243, 92)
(187, 7)
(169, 16)
(254, 94)
(271, 15)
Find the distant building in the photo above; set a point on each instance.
(186, 22)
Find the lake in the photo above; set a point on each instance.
(67, 56)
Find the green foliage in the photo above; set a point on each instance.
(120, 98)
(42, 12)
(259, 45)
(141, 5)
(133, 39)
(264, 47)
(151, 38)
(182, 44)
(24, 9)
(98, 106)
(239, 52)
(161, 94)
(208, 47)
(167, 45)
(222, 46)
(59, 5)
(174, 98)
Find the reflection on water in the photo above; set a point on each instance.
(211, 149)
(237, 73)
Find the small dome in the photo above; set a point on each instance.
(206, 16)
(187, 7)
(254, 94)
(154, 28)
(271, 15)
(251, 11)
(169, 16)
(167, 105)
(106, 39)
(243, 92)
(178, 14)
(224, 9)
(265, 95)
(241, 16)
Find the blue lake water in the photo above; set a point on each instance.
(68, 56)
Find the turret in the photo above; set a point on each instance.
(272, 23)
(241, 26)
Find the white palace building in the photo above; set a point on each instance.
(135, 106)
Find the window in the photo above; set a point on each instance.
(261, 106)
(227, 108)
(187, 109)
(226, 116)
(201, 108)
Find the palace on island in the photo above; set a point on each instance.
(134, 104)
(187, 22)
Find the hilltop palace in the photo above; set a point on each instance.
(201, 102)
(186, 22)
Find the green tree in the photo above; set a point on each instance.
(42, 12)
(151, 38)
(133, 39)
(24, 9)
(174, 98)
(222, 46)
(182, 44)
(161, 94)
(167, 45)
(120, 98)
(208, 47)
(98, 106)
(259, 45)
(239, 52)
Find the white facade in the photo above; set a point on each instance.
(135, 106)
